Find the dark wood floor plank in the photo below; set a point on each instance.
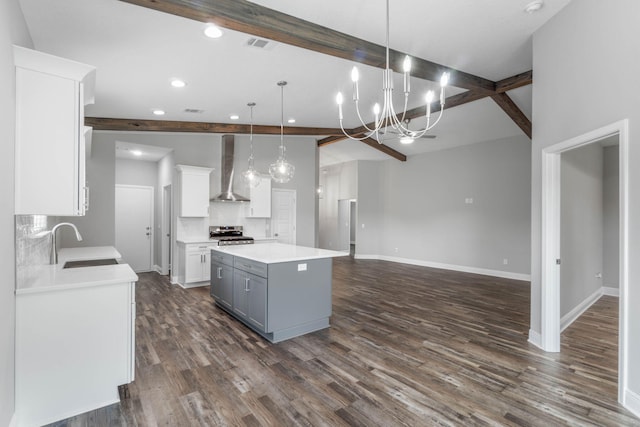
(407, 346)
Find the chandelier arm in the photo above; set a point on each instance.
(354, 138)
(363, 123)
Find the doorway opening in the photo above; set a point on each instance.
(283, 215)
(347, 226)
(551, 241)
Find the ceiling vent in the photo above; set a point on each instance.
(193, 111)
(259, 43)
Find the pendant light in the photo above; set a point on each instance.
(281, 171)
(251, 175)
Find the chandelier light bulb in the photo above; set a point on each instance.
(339, 98)
(444, 80)
(406, 65)
(355, 75)
(429, 97)
(376, 109)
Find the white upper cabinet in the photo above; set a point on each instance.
(260, 204)
(51, 93)
(194, 191)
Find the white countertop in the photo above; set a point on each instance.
(197, 241)
(47, 278)
(271, 253)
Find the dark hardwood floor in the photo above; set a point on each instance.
(408, 346)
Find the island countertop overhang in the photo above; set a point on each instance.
(272, 253)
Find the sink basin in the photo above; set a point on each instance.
(90, 263)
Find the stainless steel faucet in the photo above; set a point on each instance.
(53, 259)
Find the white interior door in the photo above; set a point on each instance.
(134, 225)
(283, 215)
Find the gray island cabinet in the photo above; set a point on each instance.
(280, 291)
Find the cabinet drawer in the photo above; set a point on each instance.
(253, 267)
(223, 258)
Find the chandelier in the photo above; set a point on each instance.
(386, 115)
(281, 171)
(251, 175)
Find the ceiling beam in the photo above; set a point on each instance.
(508, 106)
(385, 149)
(514, 82)
(254, 19)
(135, 125)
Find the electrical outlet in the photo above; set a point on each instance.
(468, 200)
(395, 250)
(505, 261)
(598, 275)
(362, 225)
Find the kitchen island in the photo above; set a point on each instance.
(280, 291)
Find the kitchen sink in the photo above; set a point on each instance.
(90, 263)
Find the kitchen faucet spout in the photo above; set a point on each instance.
(53, 259)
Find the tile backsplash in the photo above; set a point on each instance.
(33, 242)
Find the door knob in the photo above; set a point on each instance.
(148, 234)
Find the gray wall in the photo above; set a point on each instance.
(12, 30)
(419, 207)
(587, 40)
(581, 225)
(98, 225)
(136, 172)
(611, 202)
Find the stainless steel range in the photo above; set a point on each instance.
(228, 235)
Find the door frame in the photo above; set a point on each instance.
(550, 277)
(165, 246)
(152, 219)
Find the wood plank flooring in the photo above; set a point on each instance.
(408, 346)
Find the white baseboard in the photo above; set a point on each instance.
(570, 317)
(193, 285)
(14, 421)
(577, 311)
(611, 291)
(157, 269)
(461, 268)
(535, 338)
(632, 402)
(174, 280)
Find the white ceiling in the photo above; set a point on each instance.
(137, 51)
(133, 151)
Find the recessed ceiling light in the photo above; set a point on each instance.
(178, 83)
(534, 6)
(158, 112)
(212, 31)
(234, 117)
(291, 120)
(136, 152)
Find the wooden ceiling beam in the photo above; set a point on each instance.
(508, 106)
(254, 19)
(136, 125)
(514, 82)
(385, 149)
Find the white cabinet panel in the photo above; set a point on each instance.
(260, 204)
(50, 135)
(194, 191)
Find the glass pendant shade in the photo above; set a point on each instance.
(282, 171)
(251, 175)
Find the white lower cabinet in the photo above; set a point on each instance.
(195, 264)
(74, 347)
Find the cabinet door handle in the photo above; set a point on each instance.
(246, 284)
(86, 199)
(219, 272)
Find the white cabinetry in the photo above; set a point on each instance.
(51, 93)
(194, 191)
(195, 264)
(74, 347)
(260, 204)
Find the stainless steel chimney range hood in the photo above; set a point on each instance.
(226, 173)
